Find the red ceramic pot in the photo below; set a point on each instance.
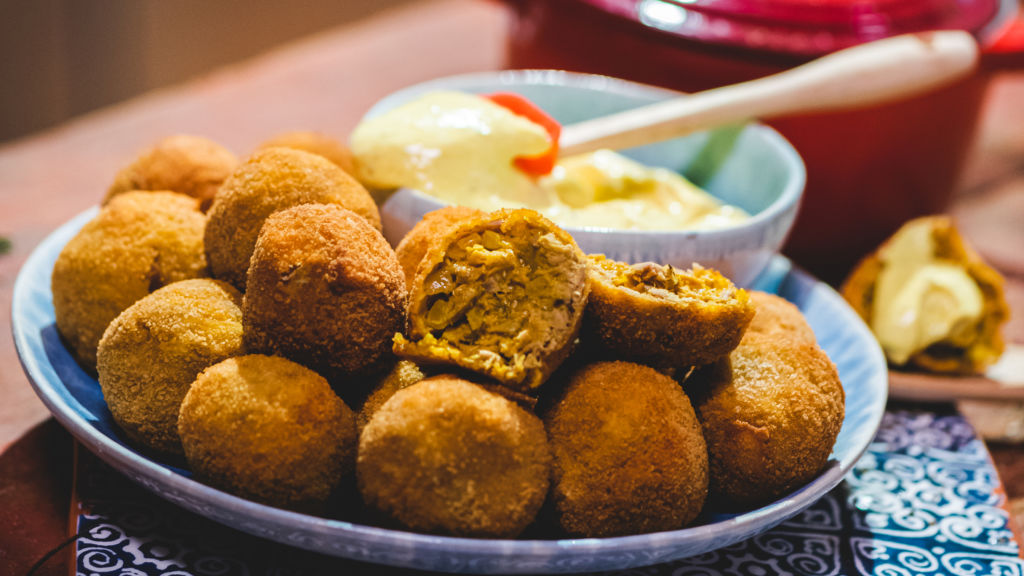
(869, 170)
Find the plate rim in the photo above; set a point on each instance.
(542, 552)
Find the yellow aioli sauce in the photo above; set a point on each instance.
(460, 149)
(921, 300)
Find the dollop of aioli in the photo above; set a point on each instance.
(460, 149)
(921, 300)
(605, 189)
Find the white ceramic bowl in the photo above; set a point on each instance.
(762, 174)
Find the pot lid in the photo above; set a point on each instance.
(808, 27)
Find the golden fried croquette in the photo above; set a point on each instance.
(325, 290)
(272, 180)
(447, 456)
(267, 429)
(137, 243)
(403, 374)
(930, 299)
(314, 143)
(776, 315)
(770, 412)
(430, 228)
(501, 294)
(629, 455)
(662, 316)
(186, 164)
(152, 352)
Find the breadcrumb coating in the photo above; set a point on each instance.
(137, 243)
(770, 412)
(431, 228)
(403, 374)
(315, 143)
(629, 454)
(447, 456)
(268, 429)
(325, 290)
(153, 351)
(183, 163)
(776, 315)
(271, 180)
(662, 316)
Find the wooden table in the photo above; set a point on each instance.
(326, 82)
(990, 211)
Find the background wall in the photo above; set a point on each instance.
(61, 58)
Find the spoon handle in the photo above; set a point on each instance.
(857, 77)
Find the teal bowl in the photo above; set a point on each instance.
(758, 171)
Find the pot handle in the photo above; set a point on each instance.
(1007, 52)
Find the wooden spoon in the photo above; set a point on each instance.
(868, 74)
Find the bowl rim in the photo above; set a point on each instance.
(788, 199)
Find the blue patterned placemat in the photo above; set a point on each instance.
(925, 499)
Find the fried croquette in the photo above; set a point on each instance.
(770, 412)
(267, 429)
(137, 243)
(629, 455)
(272, 180)
(325, 290)
(662, 316)
(186, 164)
(447, 456)
(430, 228)
(502, 294)
(402, 375)
(930, 299)
(152, 352)
(314, 143)
(776, 315)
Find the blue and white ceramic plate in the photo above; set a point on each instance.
(75, 400)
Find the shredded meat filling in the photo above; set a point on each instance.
(499, 297)
(665, 281)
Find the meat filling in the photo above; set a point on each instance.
(502, 300)
(665, 281)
